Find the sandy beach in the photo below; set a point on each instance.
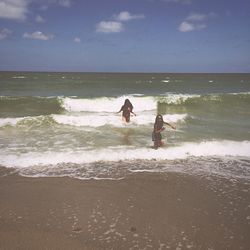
(143, 211)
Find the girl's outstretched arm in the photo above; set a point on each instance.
(120, 110)
(170, 125)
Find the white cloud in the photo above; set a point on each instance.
(40, 19)
(45, 4)
(186, 27)
(14, 9)
(126, 16)
(19, 9)
(195, 21)
(77, 40)
(65, 3)
(117, 25)
(4, 33)
(196, 17)
(109, 27)
(38, 35)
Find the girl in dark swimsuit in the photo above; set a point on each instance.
(158, 128)
(126, 109)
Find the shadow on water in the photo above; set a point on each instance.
(126, 136)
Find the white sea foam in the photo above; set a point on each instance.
(172, 98)
(19, 120)
(19, 77)
(93, 119)
(108, 104)
(176, 98)
(10, 121)
(81, 156)
(88, 120)
(97, 120)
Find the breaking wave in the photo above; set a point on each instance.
(98, 163)
(56, 105)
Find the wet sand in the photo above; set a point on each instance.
(143, 211)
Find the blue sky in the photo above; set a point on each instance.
(125, 35)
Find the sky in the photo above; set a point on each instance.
(178, 36)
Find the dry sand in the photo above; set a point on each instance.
(143, 211)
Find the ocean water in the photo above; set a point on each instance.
(65, 124)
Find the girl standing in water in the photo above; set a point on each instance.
(158, 128)
(126, 109)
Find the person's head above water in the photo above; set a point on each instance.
(159, 118)
(128, 103)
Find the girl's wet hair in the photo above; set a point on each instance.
(159, 118)
(128, 103)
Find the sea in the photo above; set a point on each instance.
(66, 124)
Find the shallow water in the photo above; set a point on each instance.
(65, 124)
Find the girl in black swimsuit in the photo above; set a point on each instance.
(126, 109)
(158, 128)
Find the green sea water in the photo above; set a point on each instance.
(66, 123)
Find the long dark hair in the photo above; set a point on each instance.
(158, 122)
(128, 104)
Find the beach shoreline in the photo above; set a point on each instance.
(142, 211)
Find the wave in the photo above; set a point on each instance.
(116, 154)
(226, 98)
(113, 120)
(108, 104)
(146, 103)
(54, 105)
(89, 120)
(19, 77)
(26, 121)
(10, 121)
(28, 106)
